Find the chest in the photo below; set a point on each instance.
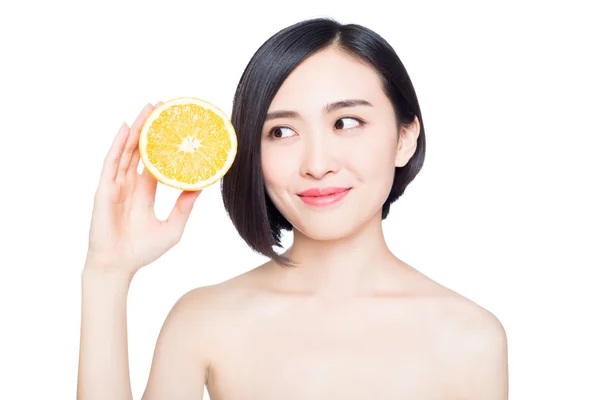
(329, 358)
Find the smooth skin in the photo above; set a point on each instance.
(352, 321)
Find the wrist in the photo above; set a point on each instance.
(113, 275)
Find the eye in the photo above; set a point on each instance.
(280, 132)
(347, 123)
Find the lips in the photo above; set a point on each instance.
(316, 192)
(323, 197)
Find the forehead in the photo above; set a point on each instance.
(327, 76)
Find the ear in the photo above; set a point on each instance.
(407, 142)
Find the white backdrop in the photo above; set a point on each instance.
(505, 210)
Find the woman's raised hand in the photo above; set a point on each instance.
(125, 234)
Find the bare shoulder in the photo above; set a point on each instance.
(468, 319)
(475, 344)
(205, 306)
(209, 311)
(189, 340)
(230, 295)
(453, 313)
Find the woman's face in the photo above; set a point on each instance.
(332, 129)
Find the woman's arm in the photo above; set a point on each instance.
(180, 362)
(103, 351)
(178, 368)
(481, 359)
(125, 235)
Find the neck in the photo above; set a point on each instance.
(348, 265)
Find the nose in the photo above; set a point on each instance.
(319, 156)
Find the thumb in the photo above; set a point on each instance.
(181, 212)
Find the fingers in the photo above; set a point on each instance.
(111, 161)
(134, 163)
(148, 186)
(131, 145)
(135, 157)
(181, 213)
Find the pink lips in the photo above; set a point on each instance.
(323, 197)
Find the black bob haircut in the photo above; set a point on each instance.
(245, 199)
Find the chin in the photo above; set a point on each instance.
(330, 227)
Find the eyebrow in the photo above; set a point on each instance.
(328, 108)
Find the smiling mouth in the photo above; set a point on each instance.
(323, 197)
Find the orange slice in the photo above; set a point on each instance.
(187, 143)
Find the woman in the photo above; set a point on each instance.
(330, 134)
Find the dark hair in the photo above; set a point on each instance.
(246, 201)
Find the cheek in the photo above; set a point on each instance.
(376, 158)
(277, 166)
